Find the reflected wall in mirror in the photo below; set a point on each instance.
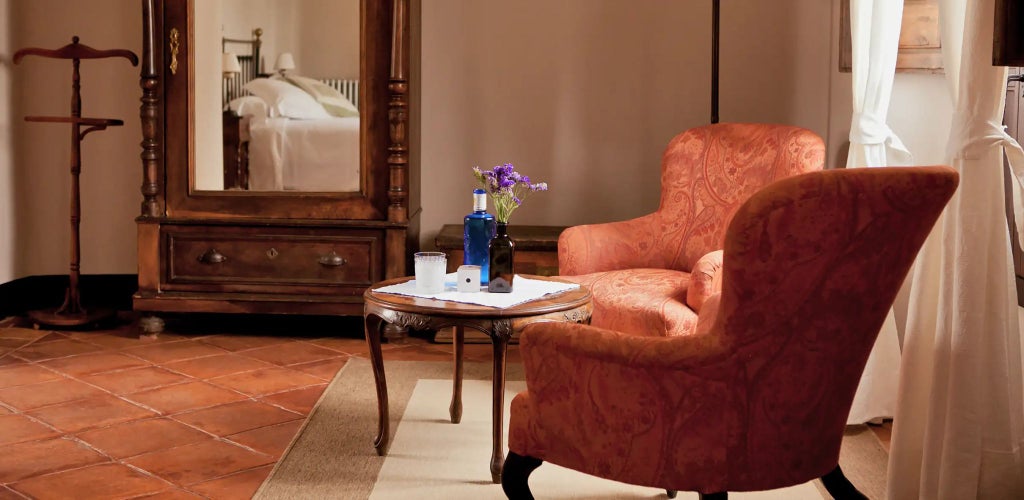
(277, 96)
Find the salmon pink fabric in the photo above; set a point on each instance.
(757, 396)
(706, 173)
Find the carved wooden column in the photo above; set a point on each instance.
(398, 116)
(148, 113)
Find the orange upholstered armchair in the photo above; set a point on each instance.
(651, 275)
(757, 397)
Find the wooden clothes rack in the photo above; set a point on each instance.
(71, 313)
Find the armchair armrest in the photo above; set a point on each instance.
(594, 248)
(705, 279)
(585, 344)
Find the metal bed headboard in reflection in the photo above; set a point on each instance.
(249, 61)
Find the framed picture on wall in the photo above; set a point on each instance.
(920, 48)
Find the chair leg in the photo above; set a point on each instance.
(671, 493)
(721, 495)
(515, 476)
(839, 487)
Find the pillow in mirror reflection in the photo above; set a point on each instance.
(286, 100)
(329, 97)
(250, 106)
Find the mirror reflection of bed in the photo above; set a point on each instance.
(286, 131)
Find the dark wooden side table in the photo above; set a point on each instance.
(536, 247)
(499, 324)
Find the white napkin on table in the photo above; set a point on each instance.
(523, 290)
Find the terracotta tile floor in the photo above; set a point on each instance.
(199, 411)
(194, 412)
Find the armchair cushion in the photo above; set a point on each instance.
(705, 280)
(650, 302)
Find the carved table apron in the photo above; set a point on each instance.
(499, 324)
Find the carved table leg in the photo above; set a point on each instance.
(456, 407)
(373, 334)
(500, 344)
(395, 334)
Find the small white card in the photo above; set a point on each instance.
(468, 279)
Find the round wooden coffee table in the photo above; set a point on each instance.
(499, 324)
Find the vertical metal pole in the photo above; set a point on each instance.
(715, 8)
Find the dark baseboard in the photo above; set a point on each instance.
(112, 291)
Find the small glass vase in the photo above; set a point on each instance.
(502, 252)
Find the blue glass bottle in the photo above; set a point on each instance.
(478, 230)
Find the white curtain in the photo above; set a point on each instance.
(959, 421)
(875, 33)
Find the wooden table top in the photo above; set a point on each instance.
(417, 305)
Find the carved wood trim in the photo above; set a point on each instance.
(149, 112)
(581, 315)
(502, 328)
(398, 116)
(404, 320)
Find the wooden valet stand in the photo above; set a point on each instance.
(71, 313)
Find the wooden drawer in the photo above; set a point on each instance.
(262, 259)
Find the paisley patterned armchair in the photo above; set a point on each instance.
(651, 275)
(758, 396)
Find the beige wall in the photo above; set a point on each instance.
(321, 35)
(586, 94)
(274, 17)
(111, 172)
(328, 43)
(581, 93)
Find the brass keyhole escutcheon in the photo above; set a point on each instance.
(272, 253)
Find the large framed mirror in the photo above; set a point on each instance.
(277, 96)
(298, 126)
(275, 154)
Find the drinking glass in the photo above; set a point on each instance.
(430, 271)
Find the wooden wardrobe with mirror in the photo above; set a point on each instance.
(326, 206)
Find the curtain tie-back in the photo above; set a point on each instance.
(975, 138)
(870, 129)
(972, 138)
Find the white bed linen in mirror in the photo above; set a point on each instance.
(304, 155)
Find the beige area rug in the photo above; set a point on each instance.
(333, 455)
